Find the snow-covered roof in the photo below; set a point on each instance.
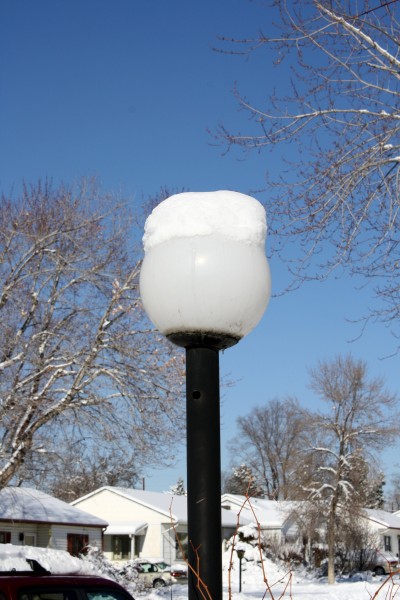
(30, 505)
(384, 518)
(171, 506)
(131, 528)
(167, 504)
(270, 514)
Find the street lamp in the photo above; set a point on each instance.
(205, 284)
(240, 554)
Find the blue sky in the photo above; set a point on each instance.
(127, 91)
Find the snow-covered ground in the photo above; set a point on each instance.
(281, 585)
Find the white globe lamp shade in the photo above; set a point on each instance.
(205, 277)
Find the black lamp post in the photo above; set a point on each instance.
(240, 554)
(205, 284)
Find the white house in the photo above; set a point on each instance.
(276, 519)
(386, 526)
(145, 524)
(32, 518)
(279, 520)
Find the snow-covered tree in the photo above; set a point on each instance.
(362, 419)
(78, 361)
(179, 488)
(242, 481)
(76, 470)
(335, 120)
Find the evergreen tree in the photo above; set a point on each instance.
(242, 481)
(178, 489)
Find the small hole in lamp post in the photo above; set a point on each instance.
(205, 284)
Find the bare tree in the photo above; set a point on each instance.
(360, 421)
(357, 547)
(75, 470)
(272, 439)
(393, 500)
(336, 116)
(77, 359)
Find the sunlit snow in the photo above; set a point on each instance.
(281, 583)
(231, 214)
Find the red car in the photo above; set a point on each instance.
(30, 585)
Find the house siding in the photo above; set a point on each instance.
(43, 536)
(118, 510)
(152, 542)
(25, 530)
(58, 540)
(14, 533)
(19, 530)
(169, 543)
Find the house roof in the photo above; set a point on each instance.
(30, 505)
(384, 518)
(167, 504)
(171, 506)
(131, 528)
(270, 514)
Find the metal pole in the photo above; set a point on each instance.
(240, 575)
(203, 472)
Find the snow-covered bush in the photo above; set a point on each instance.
(57, 562)
(126, 575)
(291, 554)
(246, 538)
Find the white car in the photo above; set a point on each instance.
(383, 563)
(157, 573)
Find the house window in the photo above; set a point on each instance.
(181, 545)
(387, 543)
(77, 543)
(5, 537)
(121, 545)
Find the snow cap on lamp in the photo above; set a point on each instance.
(205, 275)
